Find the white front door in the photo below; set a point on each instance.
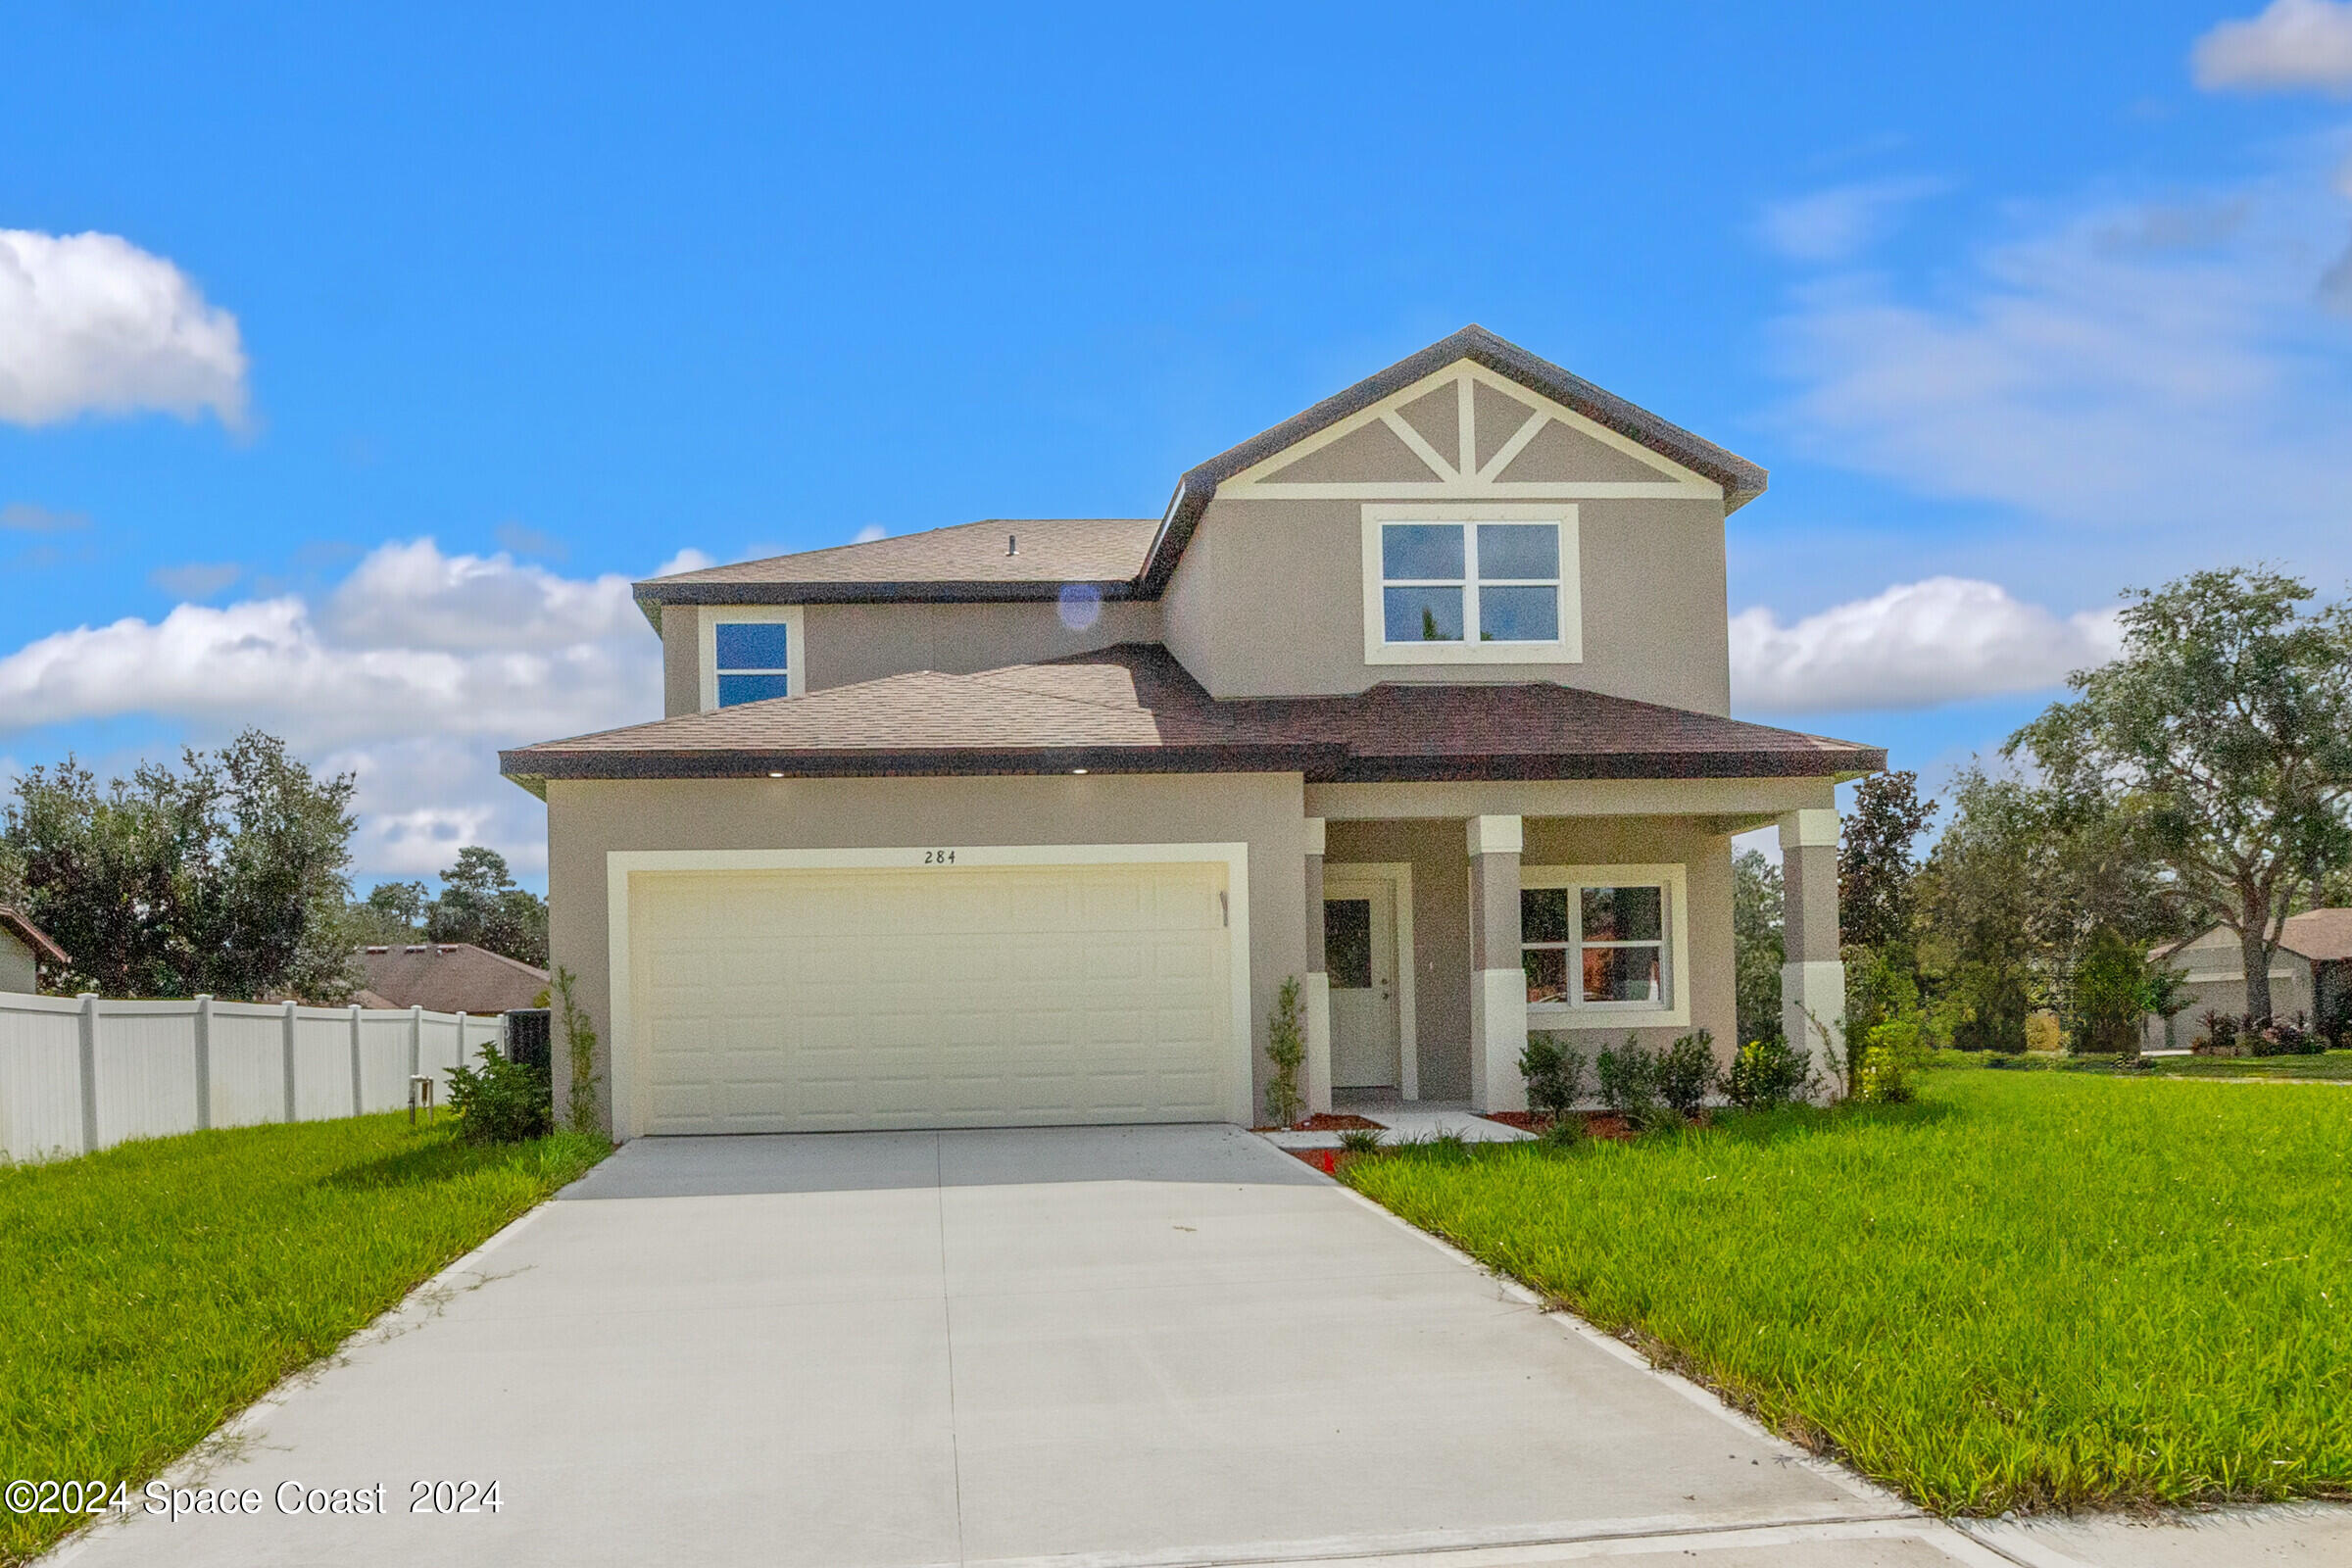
(1359, 954)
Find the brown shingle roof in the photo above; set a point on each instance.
(2321, 934)
(1134, 708)
(448, 977)
(969, 562)
(32, 936)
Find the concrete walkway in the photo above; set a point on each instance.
(1097, 1346)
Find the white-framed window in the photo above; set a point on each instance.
(751, 652)
(1599, 943)
(1471, 583)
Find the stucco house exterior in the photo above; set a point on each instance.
(1420, 698)
(2311, 976)
(24, 948)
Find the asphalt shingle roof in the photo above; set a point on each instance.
(1134, 708)
(970, 561)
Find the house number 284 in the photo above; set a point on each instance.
(939, 856)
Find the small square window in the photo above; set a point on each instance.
(752, 660)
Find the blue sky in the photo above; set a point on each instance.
(398, 344)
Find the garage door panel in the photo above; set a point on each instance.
(836, 1000)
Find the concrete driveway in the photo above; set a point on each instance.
(1101, 1347)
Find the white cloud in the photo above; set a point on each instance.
(413, 670)
(90, 323)
(687, 560)
(2166, 370)
(869, 534)
(1917, 644)
(1830, 225)
(2292, 44)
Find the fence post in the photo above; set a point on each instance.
(416, 1037)
(462, 1015)
(90, 1072)
(203, 1060)
(289, 1055)
(359, 1102)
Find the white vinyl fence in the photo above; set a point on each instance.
(81, 1073)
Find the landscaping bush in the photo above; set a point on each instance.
(1629, 1083)
(1565, 1132)
(502, 1101)
(1766, 1073)
(1554, 1074)
(1361, 1140)
(1687, 1071)
(1882, 1080)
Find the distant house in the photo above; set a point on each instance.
(2311, 974)
(24, 948)
(447, 977)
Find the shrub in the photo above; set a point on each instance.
(2042, 1032)
(1286, 1048)
(1766, 1073)
(1687, 1071)
(502, 1101)
(1881, 1079)
(1554, 1074)
(1565, 1132)
(1361, 1140)
(1628, 1078)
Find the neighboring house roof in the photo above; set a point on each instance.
(1134, 708)
(1742, 480)
(447, 977)
(1124, 558)
(32, 936)
(971, 561)
(2324, 936)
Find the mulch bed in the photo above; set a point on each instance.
(1598, 1124)
(1327, 1121)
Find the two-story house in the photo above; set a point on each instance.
(1419, 697)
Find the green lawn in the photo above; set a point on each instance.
(157, 1288)
(2335, 1065)
(2030, 1290)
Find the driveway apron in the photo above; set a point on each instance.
(1107, 1345)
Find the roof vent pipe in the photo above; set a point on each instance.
(1012, 544)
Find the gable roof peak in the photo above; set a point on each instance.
(1742, 482)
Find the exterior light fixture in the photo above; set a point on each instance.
(775, 775)
(1077, 769)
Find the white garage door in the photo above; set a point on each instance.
(832, 1000)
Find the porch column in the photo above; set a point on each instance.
(1812, 976)
(1498, 979)
(1315, 984)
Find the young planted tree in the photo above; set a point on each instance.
(2225, 730)
(1978, 908)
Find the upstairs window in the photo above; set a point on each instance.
(1482, 582)
(1471, 583)
(753, 661)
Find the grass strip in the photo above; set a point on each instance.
(158, 1288)
(2027, 1291)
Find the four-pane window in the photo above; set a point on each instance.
(1594, 947)
(753, 661)
(1482, 582)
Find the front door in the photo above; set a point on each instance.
(1359, 954)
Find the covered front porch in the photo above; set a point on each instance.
(1440, 934)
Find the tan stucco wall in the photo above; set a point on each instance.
(587, 820)
(1267, 601)
(1439, 852)
(681, 656)
(17, 970)
(850, 643)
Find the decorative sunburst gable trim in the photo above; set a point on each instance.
(1467, 478)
